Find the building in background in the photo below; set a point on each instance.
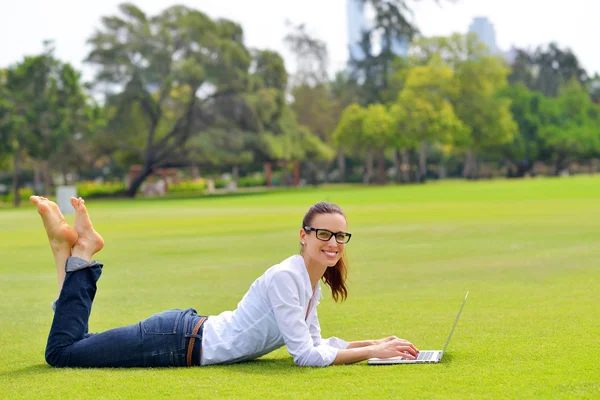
(485, 31)
(359, 21)
(357, 24)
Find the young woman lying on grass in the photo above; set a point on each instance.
(280, 308)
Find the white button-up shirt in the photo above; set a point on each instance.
(272, 314)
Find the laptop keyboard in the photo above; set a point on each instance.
(425, 355)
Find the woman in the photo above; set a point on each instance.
(278, 309)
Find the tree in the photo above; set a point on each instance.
(48, 112)
(570, 126)
(487, 115)
(180, 73)
(10, 125)
(546, 69)
(424, 114)
(392, 23)
(313, 104)
(377, 130)
(351, 137)
(526, 146)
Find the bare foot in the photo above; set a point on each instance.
(89, 242)
(61, 236)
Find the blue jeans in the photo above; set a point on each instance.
(158, 341)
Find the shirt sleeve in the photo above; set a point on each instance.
(315, 333)
(283, 294)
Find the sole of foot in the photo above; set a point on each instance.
(89, 241)
(61, 236)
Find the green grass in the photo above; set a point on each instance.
(526, 250)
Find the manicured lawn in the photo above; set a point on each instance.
(526, 250)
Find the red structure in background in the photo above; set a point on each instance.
(269, 172)
(163, 172)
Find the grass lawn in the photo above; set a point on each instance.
(526, 250)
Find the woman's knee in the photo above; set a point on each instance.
(54, 356)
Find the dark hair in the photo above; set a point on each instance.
(334, 276)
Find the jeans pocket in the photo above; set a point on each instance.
(164, 323)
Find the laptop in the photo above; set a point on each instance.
(425, 356)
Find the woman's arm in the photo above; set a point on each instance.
(384, 348)
(364, 343)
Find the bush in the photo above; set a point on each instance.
(198, 185)
(221, 183)
(24, 194)
(252, 181)
(90, 189)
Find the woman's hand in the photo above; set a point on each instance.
(393, 346)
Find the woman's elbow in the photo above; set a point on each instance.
(312, 361)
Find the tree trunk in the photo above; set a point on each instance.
(37, 178)
(138, 180)
(381, 166)
(326, 169)
(423, 161)
(368, 168)
(468, 168)
(268, 173)
(195, 172)
(47, 176)
(397, 166)
(235, 173)
(561, 164)
(312, 169)
(405, 160)
(341, 159)
(442, 171)
(16, 183)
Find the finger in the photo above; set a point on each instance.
(407, 355)
(409, 350)
(407, 343)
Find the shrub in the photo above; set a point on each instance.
(24, 194)
(252, 181)
(90, 189)
(221, 183)
(198, 185)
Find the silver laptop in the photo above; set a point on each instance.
(425, 356)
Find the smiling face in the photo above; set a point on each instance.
(317, 251)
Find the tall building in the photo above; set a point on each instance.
(486, 32)
(399, 47)
(358, 23)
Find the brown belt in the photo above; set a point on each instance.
(192, 341)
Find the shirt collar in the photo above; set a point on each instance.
(307, 288)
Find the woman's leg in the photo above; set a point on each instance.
(157, 341)
(61, 236)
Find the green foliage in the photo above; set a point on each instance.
(349, 134)
(192, 186)
(252, 181)
(90, 189)
(184, 75)
(24, 194)
(570, 125)
(378, 126)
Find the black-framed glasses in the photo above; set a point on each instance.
(325, 235)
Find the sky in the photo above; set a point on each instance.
(25, 24)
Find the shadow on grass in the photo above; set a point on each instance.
(260, 366)
(29, 371)
(268, 366)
